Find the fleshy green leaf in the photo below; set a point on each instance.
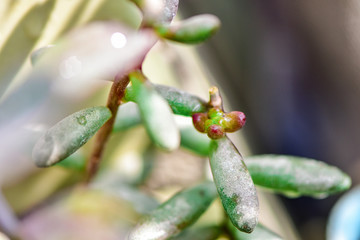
(127, 116)
(68, 135)
(259, 233)
(156, 114)
(182, 103)
(199, 233)
(193, 30)
(296, 176)
(195, 141)
(234, 184)
(177, 213)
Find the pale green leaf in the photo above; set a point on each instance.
(296, 176)
(68, 135)
(234, 184)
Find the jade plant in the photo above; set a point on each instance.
(234, 179)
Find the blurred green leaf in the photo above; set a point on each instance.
(115, 185)
(192, 30)
(148, 158)
(182, 103)
(195, 141)
(259, 233)
(156, 113)
(68, 135)
(296, 176)
(127, 116)
(76, 161)
(177, 213)
(199, 233)
(234, 184)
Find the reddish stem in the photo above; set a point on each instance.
(114, 100)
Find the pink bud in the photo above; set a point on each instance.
(215, 132)
(234, 121)
(199, 121)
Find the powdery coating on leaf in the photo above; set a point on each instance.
(234, 184)
(170, 10)
(157, 116)
(68, 135)
(158, 11)
(181, 102)
(154, 228)
(180, 211)
(297, 176)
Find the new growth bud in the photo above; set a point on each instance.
(216, 123)
(234, 121)
(199, 121)
(215, 132)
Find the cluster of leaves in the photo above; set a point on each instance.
(234, 178)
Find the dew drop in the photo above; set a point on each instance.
(81, 120)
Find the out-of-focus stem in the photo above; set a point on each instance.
(114, 100)
(215, 98)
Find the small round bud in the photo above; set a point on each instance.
(215, 132)
(199, 121)
(234, 121)
(215, 112)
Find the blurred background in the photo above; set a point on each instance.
(292, 67)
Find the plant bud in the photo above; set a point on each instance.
(199, 121)
(215, 132)
(215, 112)
(234, 121)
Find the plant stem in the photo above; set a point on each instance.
(114, 100)
(215, 98)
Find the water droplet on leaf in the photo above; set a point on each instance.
(81, 120)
